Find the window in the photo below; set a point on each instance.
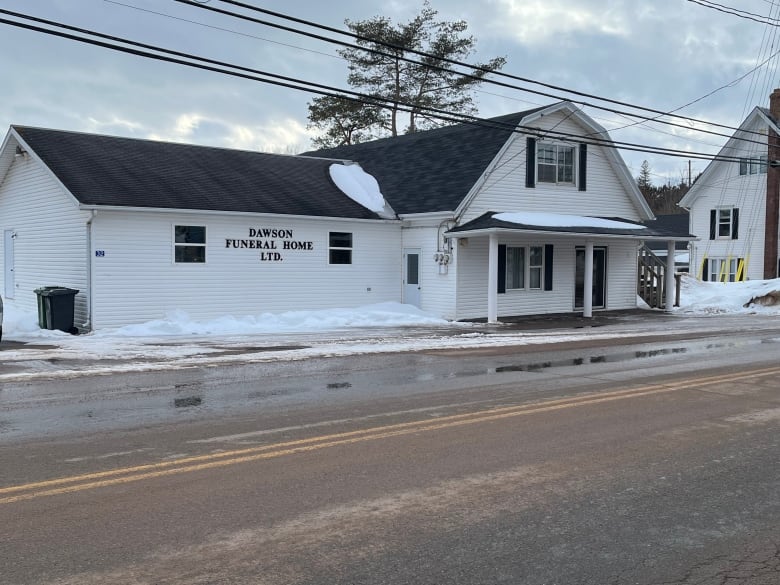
(535, 266)
(724, 223)
(340, 248)
(555, 163)
(753, 166)
(189, 243)
(519, 272)
(515, 267)
(723, 269)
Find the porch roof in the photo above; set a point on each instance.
(551, 223)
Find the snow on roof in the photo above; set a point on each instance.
(359, 186)
(562, 220)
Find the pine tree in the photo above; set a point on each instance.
(643, 181)
(381, 71)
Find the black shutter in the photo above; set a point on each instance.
(705, 274)
(501, 268)
(583, 170)
(734, 223)
(530, 162)
(713, 223)
(548, 267)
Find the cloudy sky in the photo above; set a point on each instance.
(660, 55)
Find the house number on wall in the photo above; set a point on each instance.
(100, 253)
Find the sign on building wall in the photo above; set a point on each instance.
(273, 243)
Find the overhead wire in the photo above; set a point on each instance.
(482, 91)
(611, 129)
(427, 55)
(190, 60)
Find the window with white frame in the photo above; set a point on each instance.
(555, 163)
(339, 248)
(753, 166)
(535, 267)
(189, 244)
(524, 267)
(723, 269)
(725, 220)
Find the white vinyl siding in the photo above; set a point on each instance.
(137, 281)
(504, 188)
(473, 274)
(437, 287)
(50, 248)
(723, 187)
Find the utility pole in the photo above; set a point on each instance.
(689, 173)
(772, 218)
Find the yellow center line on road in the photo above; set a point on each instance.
(119, 476)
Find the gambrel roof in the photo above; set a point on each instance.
(431, 170)
(109, 171)
(436, 170)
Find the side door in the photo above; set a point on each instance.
(412, 276)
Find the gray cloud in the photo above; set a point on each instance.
(659, 55)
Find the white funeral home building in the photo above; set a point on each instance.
(517, 215)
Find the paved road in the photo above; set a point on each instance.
(651, 463)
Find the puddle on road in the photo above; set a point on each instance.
(187, 401)
(594, 359)
(338, 385)
(598, 359)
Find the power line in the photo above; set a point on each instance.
(452, 62)
(737, 12)
(190, 60)
(219, 28)
(644, 120)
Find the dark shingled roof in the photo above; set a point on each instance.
(431, 170)
(674, 224)
(486, 221)
(127, 172)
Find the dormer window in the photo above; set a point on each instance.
(555, 163)
(549, 163)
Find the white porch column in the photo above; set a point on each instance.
(670, 289)
(587, 292)
(492, 315)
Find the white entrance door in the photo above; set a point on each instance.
(8, 246)
(412, 276)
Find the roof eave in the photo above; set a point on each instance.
(121, 208)
(552, 232)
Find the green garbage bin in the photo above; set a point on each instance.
(56, 308)
(42, 322)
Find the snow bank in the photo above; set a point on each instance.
(725, 297)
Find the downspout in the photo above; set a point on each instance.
(88, 323)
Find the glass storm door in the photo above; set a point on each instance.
(599, 278)
(412, 276)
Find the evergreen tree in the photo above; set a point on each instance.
(643, 181)
(381, 71)
(342, 121)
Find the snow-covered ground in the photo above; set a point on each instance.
(177, 341)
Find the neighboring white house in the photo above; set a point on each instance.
(737, 230)
(516, 215)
